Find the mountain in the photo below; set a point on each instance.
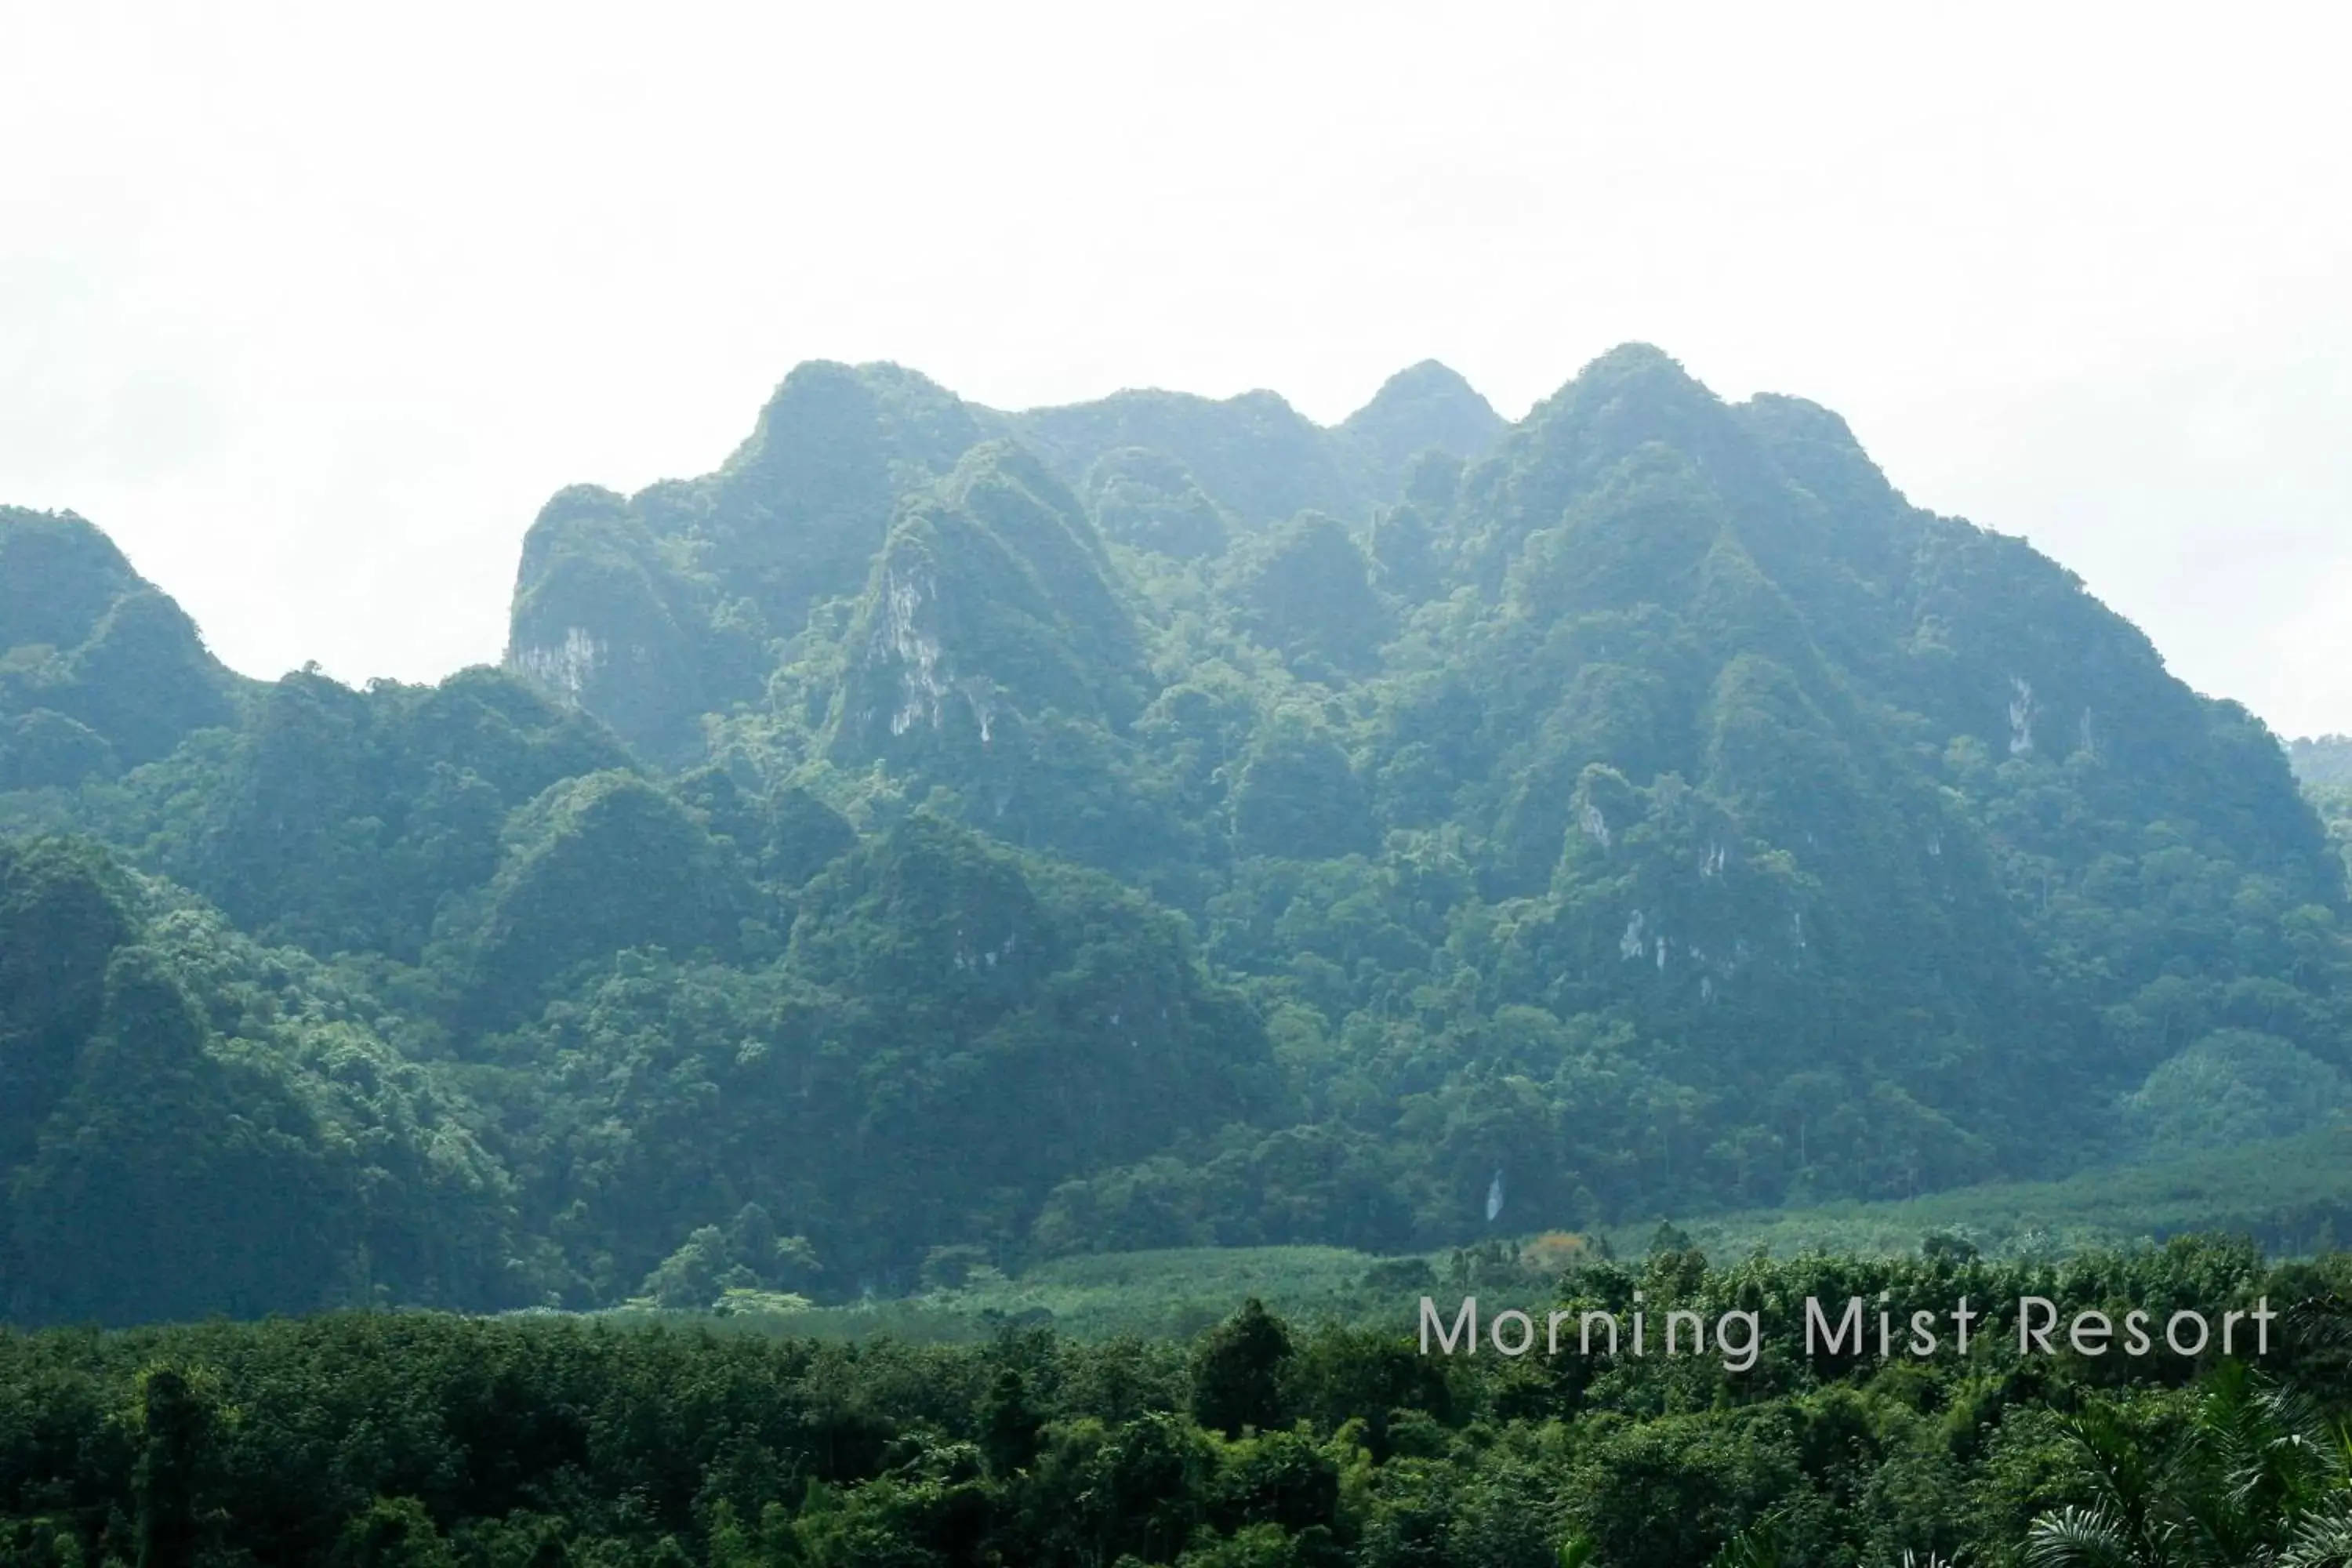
(652, 609)
(99, 669)
(194, 1125)
(1425, 407)
(1168, 822)
(2327, 760)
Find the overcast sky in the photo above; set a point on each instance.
(311, 307)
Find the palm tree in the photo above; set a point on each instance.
(2323, 1538)
(2258, 1484)
(1764, 1545)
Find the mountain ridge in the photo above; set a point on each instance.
(1643, 797)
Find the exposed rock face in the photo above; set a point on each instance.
(1645, 798)
(650, 609)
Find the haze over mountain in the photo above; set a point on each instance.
(1150, 822)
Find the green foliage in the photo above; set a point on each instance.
(96, 666)
(62, 914)
(2327, 760)
(429, 1438)
(990, 609)
(1422, 408)
(175, 1429)
(2233, 1087)
(597, 864)
(58, 576)
(343, 821)
(1237, 1373)
(1306, 590)
(2334, 804)
(747, 1258)
(41, 749)
(1147, 500)
(1258, 458)
(608, 614)
(1404, 555)
(1296, 797)
(975, 841)
(196, 1126)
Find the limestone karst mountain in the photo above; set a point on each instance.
(1153, 822)
(651, 609)
(99, 669)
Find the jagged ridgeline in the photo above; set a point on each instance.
(1154, 822)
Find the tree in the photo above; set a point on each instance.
(1237, 1372)
(1009, 1425)
(175, 1430)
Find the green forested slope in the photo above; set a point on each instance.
(99, 670)
(1153, 823)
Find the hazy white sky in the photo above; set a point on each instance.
(311, 307)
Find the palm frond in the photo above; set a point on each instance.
(1932, 1560)
(1763, 1544)
(2321, 1322)
(2322, 1540)
(2076, 1537)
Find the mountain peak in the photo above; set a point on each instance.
(1427, 378)
(58, 572)
(1422, 406)
(821, 404)
(97, 664)
(1639, 373)
(1662, 756)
